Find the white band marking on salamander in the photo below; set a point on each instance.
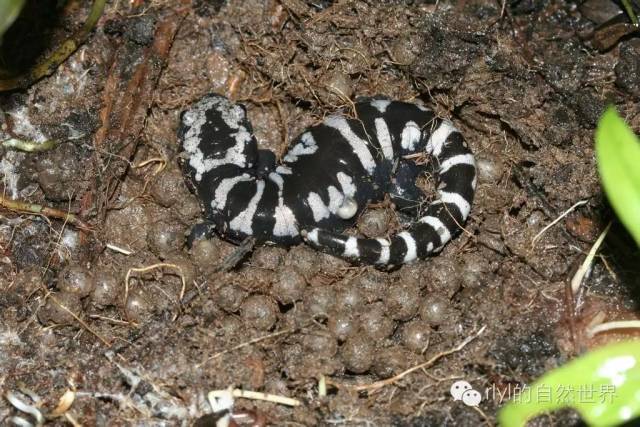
(351, 248)
(385, 252)
(346, 182)
(384, 138)
(461, 203)
(411, 253)
(224, 188)
(359, 146)
(244, 221)
(460, 159)
(380, 104)
(306, 147)
(439, 137)
(411, 135)
(441, 230)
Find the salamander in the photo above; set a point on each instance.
(328, 176)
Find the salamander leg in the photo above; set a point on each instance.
(201, 231)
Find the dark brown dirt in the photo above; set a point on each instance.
(100, 312)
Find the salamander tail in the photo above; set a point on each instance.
(441, 221)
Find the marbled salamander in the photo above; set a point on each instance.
(328, 176)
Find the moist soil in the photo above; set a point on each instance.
(114, 309)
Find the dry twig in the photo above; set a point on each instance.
(382, 383)
(35, 209)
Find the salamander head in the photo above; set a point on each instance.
(215, 132)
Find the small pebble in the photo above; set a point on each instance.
(320, 300)
(402, 51)
(402, 301)
(372, 283)
(189, 208)
(208, 313)
(415, 335)
(489, 167)
(259, 278)
(321, 344)
(443, 275)
(259, 311)
(391, 361)
(536, 219)
(358, 354)
(412, 272)
(475, 271)
(375, 323)
(434, 310)
(27, 282)
(628, 67)
(332, 264)
(304, 259)
(374, 222)
(52, 312)
(230, 297)
(59, 171)
(138, 307)
(289, 286)
(268, 257)
(342, 325)
(349, 298)
(141, 29)
(276, 386)
(207, 254)
(77, 280)
(165, 238)
(69, 248)
(582, 227)
(356, 56)
(107, 289)
(168, 188)
(229, 325)
(338, 87)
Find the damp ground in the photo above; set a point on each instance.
(138, 328)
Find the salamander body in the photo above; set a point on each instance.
(328, 176)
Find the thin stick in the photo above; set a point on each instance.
(35, 209)
(79, 320)
(379, 384)
(118, 249)
(582, 271)
(611, 326)
(237, 255)
(162, 165)
(555, 221)
(248, 343)
(254, 395)
(29, 146)
(109, 319)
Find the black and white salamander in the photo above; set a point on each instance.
(328, 176)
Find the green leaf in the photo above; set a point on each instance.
(603, 386)
(9, 11)
(618, 156)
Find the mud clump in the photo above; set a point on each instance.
(59, 172)
(531, 354)
(628, 67)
